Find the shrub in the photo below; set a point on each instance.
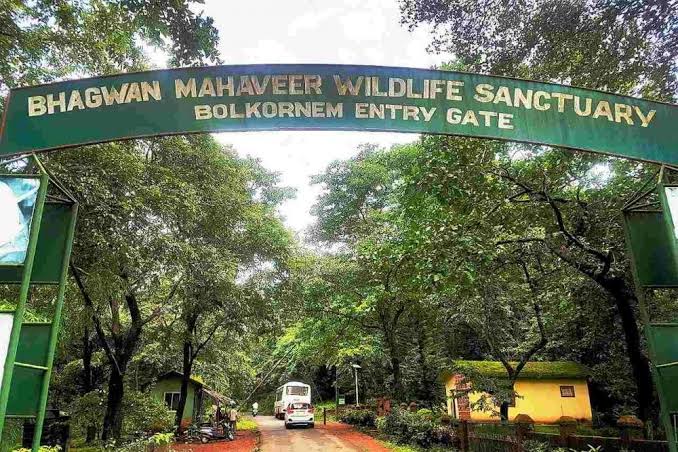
(144, 413)
(415, 428)
(87, 410)
(539, 446)
(425, 413)
(11, 438)
(42, 449)
(363, 418)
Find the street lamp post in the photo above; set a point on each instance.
(355, 369)
(336, 391)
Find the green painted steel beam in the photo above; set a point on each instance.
(54, 330)
(30, 366)
(663, 366)
(651, 343)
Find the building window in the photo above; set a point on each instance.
(567, 391)
(172, 400)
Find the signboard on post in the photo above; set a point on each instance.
(37, 233)
(17, 201)
(652, 238)
(335, 97)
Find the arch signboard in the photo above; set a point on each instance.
(325, 97)
(335, 97)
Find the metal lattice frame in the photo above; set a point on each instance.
(26, 273)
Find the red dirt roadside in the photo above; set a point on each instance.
(245, 441)
(349, 435)
(331, 437)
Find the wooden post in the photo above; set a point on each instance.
(463, 435)
(630, 428)
(524, 424)
(324, 416)
(567, 426)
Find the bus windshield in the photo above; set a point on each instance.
(297, 390)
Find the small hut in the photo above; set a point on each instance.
(168, 388)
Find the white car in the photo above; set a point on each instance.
(299, 413)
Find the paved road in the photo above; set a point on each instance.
(274, 438)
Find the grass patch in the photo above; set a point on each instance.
(409, 448)
(396, 447)
(495, 429)
(246, 424)
(546, 429)
(330, 411)
(584, 430)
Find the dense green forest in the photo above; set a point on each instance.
(442, 249)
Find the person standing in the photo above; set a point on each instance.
(233, 417)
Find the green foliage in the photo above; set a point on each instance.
(87, 410)
(11, 435)
(540, 446)
(144, 413)
(246, 424)
(160, 439)
(414, 428)
(536, 446)
(362, 418)
(43, 40)
(425, 413)
(189, 242)
(622, 46)
(29, 315)
(41, 449)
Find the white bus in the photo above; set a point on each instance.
(291, 392)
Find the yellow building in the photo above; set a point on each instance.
(544, 390)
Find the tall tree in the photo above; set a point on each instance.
(143, 204)
(566, 204)
(583, 229)
(44, 40)
(354, 208)
(623, 46)
(41, 41)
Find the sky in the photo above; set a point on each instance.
(313, 31)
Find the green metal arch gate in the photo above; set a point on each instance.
(340, 97)
(335, 97)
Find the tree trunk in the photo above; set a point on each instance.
(116, 383)
(185, 380)
(504, 411)
(625, 300)
(394, 357)
(426, 384)
(113, 417)
(397, 378)
(88, 378)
